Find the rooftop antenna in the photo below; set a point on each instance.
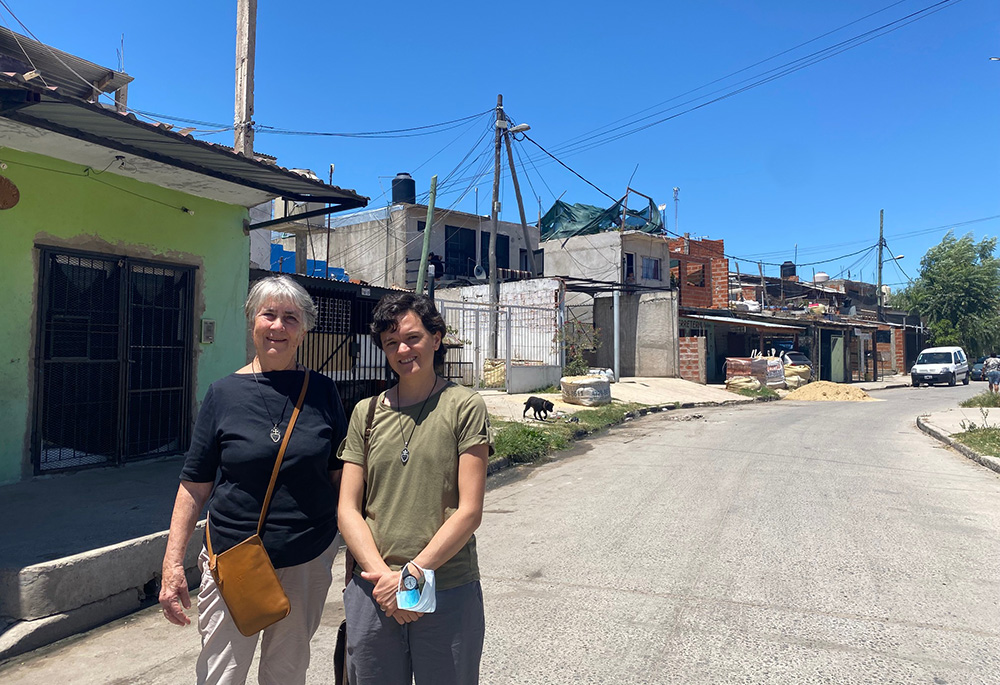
(677, 200)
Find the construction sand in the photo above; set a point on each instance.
(825, 391)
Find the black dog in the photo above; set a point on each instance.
(540, 406)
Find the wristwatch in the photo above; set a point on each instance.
(409, 580)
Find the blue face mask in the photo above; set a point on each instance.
(416, 594)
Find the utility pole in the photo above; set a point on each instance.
(246, 38)
(881, 242)
(428, 225)
(520, 205)
(501, 125)
(878, 296)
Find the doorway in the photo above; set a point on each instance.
(113, 360)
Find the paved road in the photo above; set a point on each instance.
(781, 543)
(785, 543)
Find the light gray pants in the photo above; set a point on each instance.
(226, 654)
(443, 648)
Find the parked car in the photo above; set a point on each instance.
(941, 365)
(977, 370)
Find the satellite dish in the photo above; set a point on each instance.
(479, 272)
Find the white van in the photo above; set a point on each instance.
(940, 365)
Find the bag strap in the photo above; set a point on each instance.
(274, 472)
(348, 557)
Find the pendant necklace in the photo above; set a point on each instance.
(275, 432)
(404, 456)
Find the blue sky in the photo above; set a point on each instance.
(908, 122)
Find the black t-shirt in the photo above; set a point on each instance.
(231, 441)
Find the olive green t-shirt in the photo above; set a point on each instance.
(408, 503)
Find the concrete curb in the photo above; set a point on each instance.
(47, 602)
(989, 462)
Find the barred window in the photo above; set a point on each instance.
(333, 315)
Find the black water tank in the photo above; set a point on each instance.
(787, 269)
(404, 189)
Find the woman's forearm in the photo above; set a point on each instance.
(190, 500)
(450, 538)
(358, 538)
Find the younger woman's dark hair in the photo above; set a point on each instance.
(391, 308)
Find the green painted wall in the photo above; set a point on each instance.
(65, 205)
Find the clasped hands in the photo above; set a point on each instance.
(386, 583)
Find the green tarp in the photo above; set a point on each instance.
(565, 220)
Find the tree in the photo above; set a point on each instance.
(958, 293)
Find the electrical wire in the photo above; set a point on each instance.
(763, 78)
(391, 133)
(566, 166)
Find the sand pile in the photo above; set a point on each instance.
(825, 391)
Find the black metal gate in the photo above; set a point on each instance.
(340, 345)
(113, 360)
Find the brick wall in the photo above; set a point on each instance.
(692, 359)
(899, 350)
(720, 283)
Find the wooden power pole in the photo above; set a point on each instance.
(246, 36)
(501, 125)
(520, 207)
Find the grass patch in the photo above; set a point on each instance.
(523, 442)
(763, 392)
(983, 399)
(982, 436)
(983, 440)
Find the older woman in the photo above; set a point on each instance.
(236, 439)
(408, 512)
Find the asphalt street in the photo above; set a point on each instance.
(789, 542)
(785, 543)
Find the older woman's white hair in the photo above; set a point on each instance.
(279, 289)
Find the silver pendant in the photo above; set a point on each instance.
(275, 434)
(404, 456)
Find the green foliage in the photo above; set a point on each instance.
(763, 392)
(983, 440)
(578, 337)
(958, 293)
(983, 399)
(982, 437)
(521, 442)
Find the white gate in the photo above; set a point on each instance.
(525, 336)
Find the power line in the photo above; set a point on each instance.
(762, 78)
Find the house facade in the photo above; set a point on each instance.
(383, 246)
(128, 265)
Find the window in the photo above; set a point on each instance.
(503, 251)
(651, 269)
(539, 261)
(628, 267)
(420, 226)
(459, 251)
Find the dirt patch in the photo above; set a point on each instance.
(825, 391)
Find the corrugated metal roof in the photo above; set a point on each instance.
(743, 322)
(48, 109)
(58, 67)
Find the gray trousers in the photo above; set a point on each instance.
(443, 648)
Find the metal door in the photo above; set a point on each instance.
(837, 359)
(112, 363)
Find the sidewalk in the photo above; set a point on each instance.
(943, 424)
(656, 392)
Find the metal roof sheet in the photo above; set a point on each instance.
(733, 321)
(58, 67)
(48, 109)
